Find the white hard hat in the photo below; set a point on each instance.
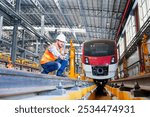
(61, 37)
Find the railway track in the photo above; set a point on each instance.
(24, 85)
(138, 86)
(15, 84)
(143, 82)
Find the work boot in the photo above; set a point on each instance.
(60, 73)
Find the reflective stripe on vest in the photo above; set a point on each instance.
(47, 57)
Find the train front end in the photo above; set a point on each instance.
(99, 59)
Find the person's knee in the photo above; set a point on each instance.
(59, 65)
(65, 62)
(56, 66)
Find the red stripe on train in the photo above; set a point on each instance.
(105, 60)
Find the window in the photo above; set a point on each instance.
(99, 48)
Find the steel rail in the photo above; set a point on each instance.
(142, 80)
(14, 82)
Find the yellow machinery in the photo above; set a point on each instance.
(5, 57)
(82, 73)
(72, 73)
(145, 51)
(72, 70)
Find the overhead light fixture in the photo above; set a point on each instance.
(107, 24)
(79, 25)
(50, 29)
(76, 30)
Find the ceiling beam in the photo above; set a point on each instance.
(58, 4)
(83, 18)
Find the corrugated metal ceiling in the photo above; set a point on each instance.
(100, 18)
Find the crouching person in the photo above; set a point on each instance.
(53, 59)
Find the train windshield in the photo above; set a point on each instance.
(99, 49)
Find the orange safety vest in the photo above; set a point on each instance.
(47, 57)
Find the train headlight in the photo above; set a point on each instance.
(113, 60)
(86, 60)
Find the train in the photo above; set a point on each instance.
(99, 59)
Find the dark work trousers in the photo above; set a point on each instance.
(58, 65)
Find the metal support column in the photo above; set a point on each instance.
(42, 33)
(42, 25)
(37, 46)
(14, 42)
(22, 44)
(41, 39)
(1, 25)
(36, 50)
(14, 38)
